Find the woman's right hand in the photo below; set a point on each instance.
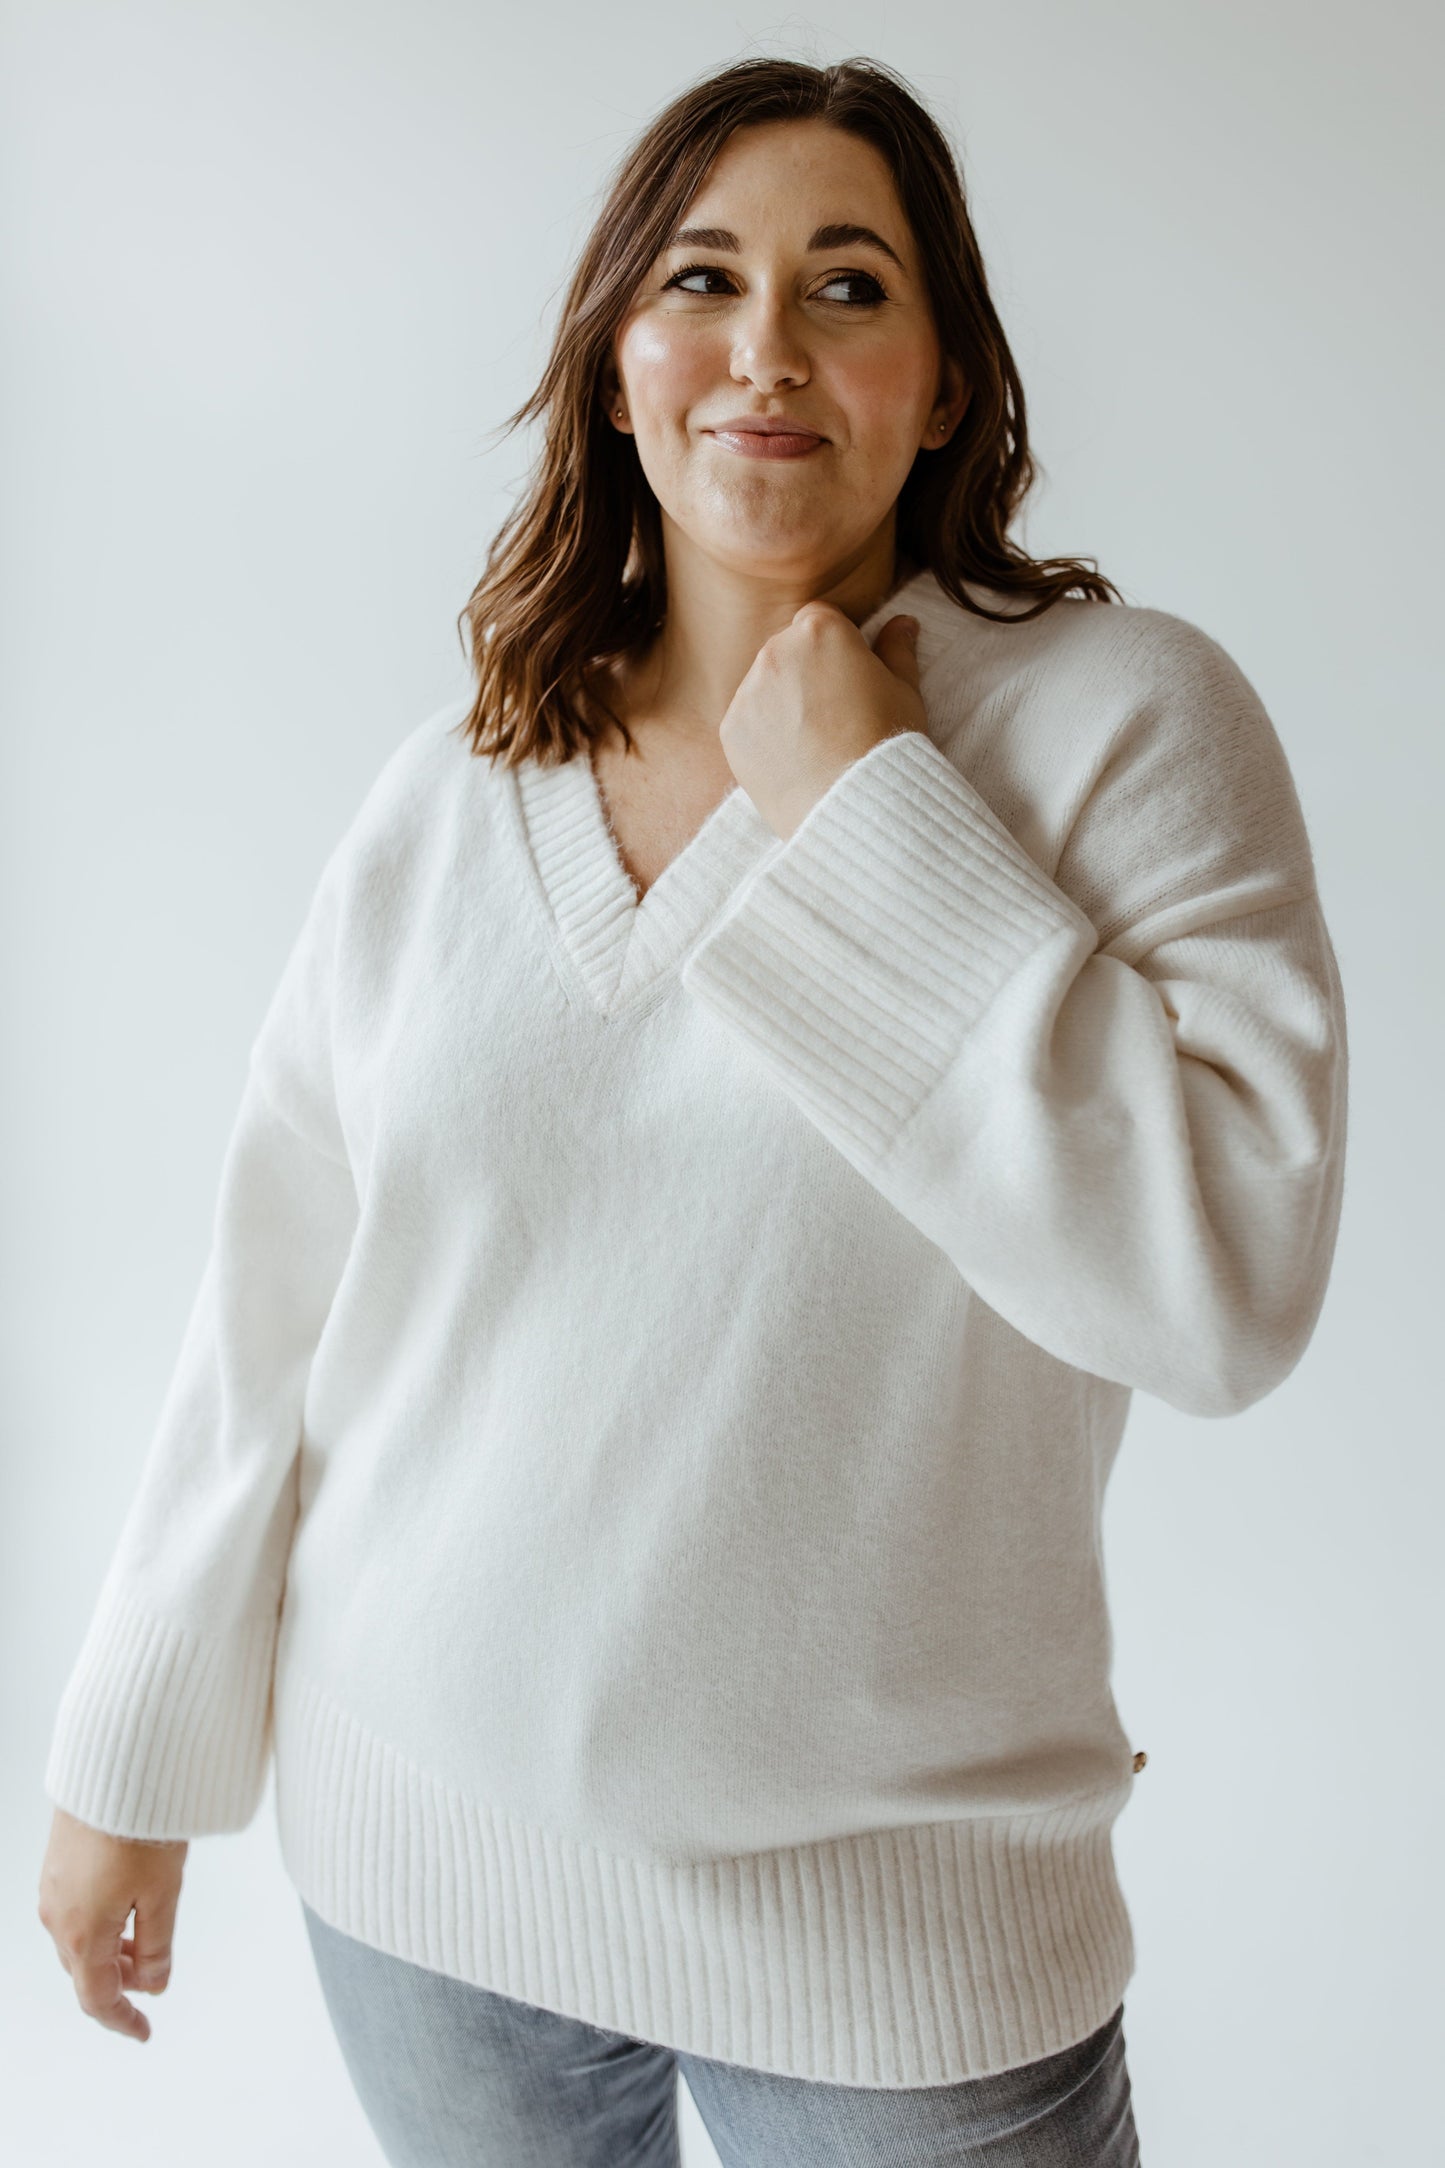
(89, 1881)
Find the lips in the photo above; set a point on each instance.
(759, 425)
(756, 437)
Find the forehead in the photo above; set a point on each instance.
(805, 184)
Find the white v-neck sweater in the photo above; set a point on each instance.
(638, 1447)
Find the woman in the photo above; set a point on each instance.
(759, 1084)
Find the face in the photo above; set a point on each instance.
(764, 312)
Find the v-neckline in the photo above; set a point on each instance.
(618, 947)
(621, 945)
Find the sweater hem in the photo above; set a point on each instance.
(903, 1957)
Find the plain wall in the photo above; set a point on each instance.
(272, 274)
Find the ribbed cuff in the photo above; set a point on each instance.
(161, 1733)
(858, 956)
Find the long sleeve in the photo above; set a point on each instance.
(164, 1726)
(1114, 1096)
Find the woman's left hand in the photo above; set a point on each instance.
(816, 698)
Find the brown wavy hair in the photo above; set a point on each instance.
(575, 576)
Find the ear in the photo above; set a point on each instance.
(897, 645)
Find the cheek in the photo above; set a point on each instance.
(883, 394)
(667, 367)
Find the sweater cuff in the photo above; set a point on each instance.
(858, 955)
(160, 1732)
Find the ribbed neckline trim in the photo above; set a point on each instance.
(617, 946)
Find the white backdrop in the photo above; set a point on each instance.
(271, 274)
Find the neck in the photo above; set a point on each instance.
(683, 683)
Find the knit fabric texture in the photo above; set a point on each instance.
(635, 1461)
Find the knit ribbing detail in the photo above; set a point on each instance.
(621, 947)
(696, 883)
(591, 898)
(162, 1733)
(897, 1957)
(859, 955)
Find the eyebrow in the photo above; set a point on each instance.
(843, 235)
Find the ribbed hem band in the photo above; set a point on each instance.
(1007, 1938)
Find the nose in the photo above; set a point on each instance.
(767, 350)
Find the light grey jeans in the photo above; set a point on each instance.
(455, 2076)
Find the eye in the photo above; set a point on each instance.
(870, 299)
(693, 271)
